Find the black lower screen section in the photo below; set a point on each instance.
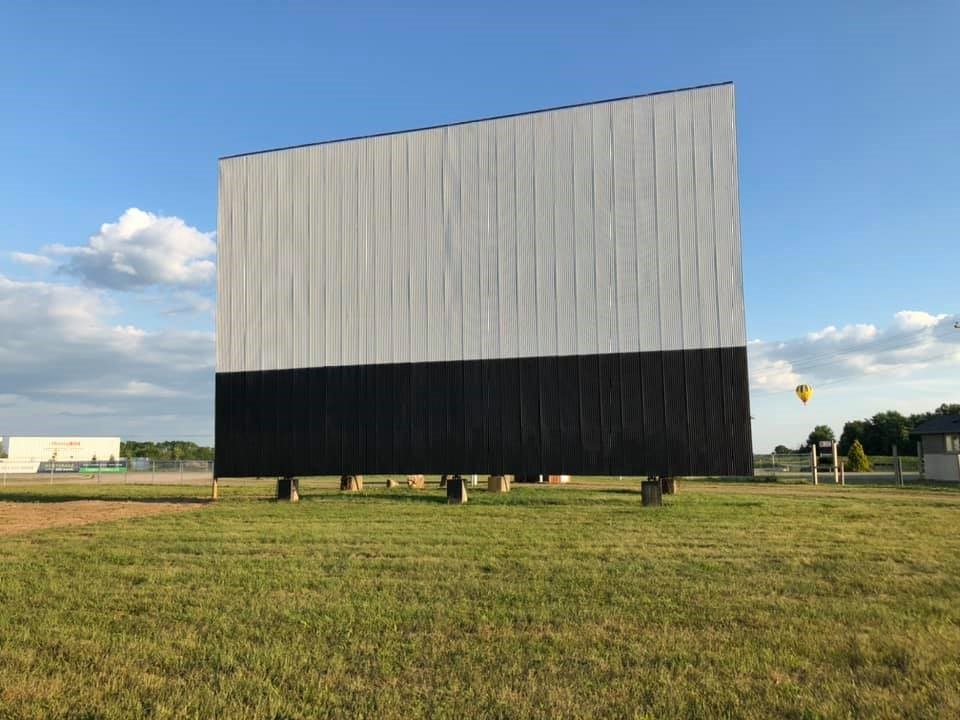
(684, 412)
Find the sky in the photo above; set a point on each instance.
(113, 115)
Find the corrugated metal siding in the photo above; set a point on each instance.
(602, 229)
(656, 413)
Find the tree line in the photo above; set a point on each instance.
(166, 450)
(878, 434)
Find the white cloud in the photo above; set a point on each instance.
(31, 259)
(854, 333)
(142, 249)
(188, 301)
(131, 388)
(914, 341)
(857, 370)
(916, 319)
(68, 367)
(772, 375)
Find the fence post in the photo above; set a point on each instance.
(181, 471)
(153, 471)
(813, 463)
(836, 465)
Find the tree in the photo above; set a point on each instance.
(852, 430)
(948, 409)
(857, 460)
(782, 450)
(166, 450)
(886, 430)
(820, 432)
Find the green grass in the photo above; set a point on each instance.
(741, 601)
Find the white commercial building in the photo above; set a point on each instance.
(63, 449)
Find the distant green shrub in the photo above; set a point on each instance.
(857, 460)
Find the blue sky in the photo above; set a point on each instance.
(850, 200)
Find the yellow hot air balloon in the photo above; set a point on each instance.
(804, 392)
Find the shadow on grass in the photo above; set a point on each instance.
(383, 494)
(17, 497)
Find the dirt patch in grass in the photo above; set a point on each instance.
(17, 518)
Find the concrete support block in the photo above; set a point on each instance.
(288, 489)
(668, 485)
(651, 493)
(215, 491)
(351, 483)
(416, 482)
(499, 483)
(456, 490)
(391, 483)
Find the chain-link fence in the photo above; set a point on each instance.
(125, 470)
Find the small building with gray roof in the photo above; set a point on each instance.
(940, 442)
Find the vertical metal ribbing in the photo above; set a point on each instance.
(565, 257)
(470, 257)
(434, 242)
(625, 228)
(224, 294)
(507, 238)
(487, 236)
(366, 251)
(585, 248)
(706, 238)
(526, 258)
(332, 245)
(738, 311)
(380, 289)
(452, 248)
(668, 255)
(399, 346)
(546, 278)
(418, 256)
(268, 264)
(612, 228)
(726, 221)
(604, 263)
(687, 224)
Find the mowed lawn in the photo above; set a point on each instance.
(739, 600)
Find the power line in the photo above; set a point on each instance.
(881, 345)
(885, 369)
(888, 342)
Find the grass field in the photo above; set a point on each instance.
(738, 600)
